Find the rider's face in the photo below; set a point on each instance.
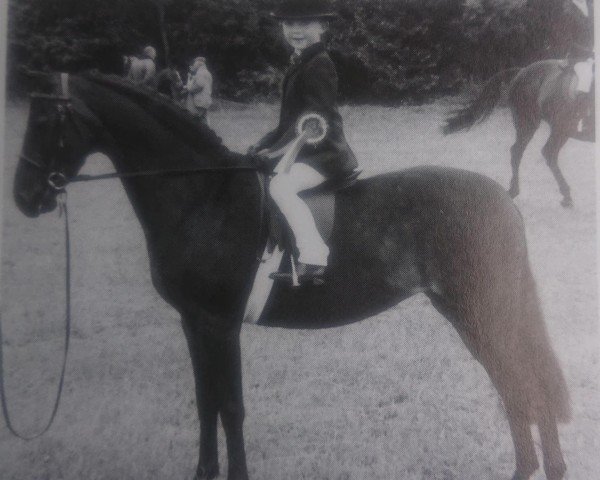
(301, 34)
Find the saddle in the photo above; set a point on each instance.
(321, 202)
(280, 252)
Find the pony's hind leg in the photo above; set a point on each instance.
(525, 456)
(550, 152)
(526, 123)
(503, 371)
(554, 463)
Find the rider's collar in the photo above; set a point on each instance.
(307, 53)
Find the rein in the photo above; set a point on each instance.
(164, 173)
(63, 211)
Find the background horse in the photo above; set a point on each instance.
(544, 90)
(168, 82)
(453, 235)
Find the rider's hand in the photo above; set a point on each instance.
(263, 161)
(253, 150)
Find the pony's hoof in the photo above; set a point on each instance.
(567, 202)
(238, 476)
(555, 471)
(207, 472)
(520, 476)
(525, 472)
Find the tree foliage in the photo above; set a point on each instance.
(385, 50)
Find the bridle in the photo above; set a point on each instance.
(57, 180)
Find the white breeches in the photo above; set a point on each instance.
(585, 75)
(284, 189)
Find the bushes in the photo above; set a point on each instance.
(385, 50)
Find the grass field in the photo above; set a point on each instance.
(395, 397)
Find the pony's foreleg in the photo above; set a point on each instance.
(216, 359)
(207, 401)
(229, 368)
(550, 152)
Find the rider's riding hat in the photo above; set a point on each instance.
(303, 10)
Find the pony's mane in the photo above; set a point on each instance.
(172, 116)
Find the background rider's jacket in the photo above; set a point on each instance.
(199, 86)
(310, 85)
(576, 30)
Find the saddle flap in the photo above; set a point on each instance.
(322, 207)
(321, 201)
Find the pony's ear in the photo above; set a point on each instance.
(37, 81)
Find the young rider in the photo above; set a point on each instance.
(309, 87)
(579, 29)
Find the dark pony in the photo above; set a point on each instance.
(168, 82)
(543, 90)
(453, 235)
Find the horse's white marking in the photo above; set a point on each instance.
(64, 82)
(262, 286)
(585, 75)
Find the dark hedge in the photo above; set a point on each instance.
(385, 50)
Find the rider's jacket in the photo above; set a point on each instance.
(310, 86)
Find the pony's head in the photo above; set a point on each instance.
(57, 139)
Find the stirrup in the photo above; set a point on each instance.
(288, 278)
(305, 273)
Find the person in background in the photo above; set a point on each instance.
(141, 71)
(199, 89)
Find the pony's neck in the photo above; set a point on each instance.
(147, 124)
(200, 228)
(140, 136)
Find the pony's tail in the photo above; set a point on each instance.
(482, 106)
(551, 392)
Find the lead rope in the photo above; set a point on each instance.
(62, 204)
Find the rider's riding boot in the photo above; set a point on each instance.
(306, 273)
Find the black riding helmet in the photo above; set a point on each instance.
(303, 10)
